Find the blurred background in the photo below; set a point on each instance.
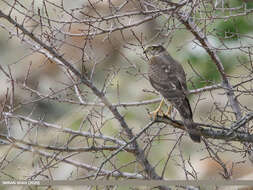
(104, 40)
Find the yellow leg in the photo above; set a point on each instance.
(168, 113)
(155, 113)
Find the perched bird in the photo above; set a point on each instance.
(167, 76)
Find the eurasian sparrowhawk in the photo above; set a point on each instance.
(167, 76)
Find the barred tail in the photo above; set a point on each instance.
(185, 111)
(191, 128)
(195, 137)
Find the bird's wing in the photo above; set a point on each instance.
(177, 69)
(169, 89)
(182, 82)
(172, 77)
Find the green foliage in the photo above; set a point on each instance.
(249, 3)
(208, 70)
(76, 124)
(232, 28)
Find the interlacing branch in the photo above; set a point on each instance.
(230, 133)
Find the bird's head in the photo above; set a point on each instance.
(154, 50)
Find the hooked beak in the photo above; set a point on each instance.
(145, 50)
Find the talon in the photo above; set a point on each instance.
(169, 111)
(158, 110)
(155, 113)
